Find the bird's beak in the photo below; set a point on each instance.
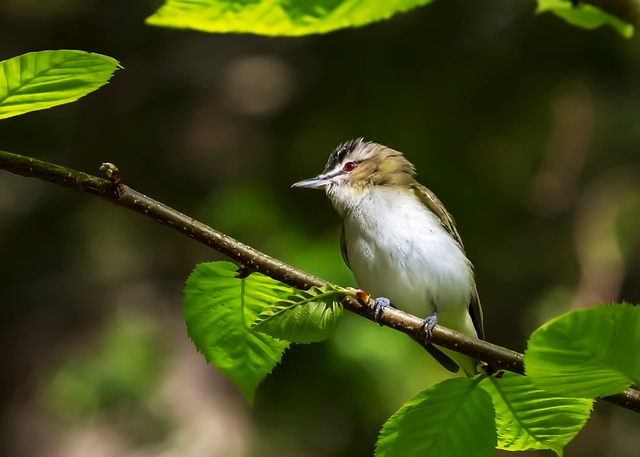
(313, 183)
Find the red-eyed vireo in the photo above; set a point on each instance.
(400, 242)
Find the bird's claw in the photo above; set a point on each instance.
(364, 298)
(381, 304)
(428, 323)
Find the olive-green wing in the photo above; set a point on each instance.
(435, 205)
(475, 311)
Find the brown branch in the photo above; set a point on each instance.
(121, 195)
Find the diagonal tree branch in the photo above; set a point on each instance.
(254, 260)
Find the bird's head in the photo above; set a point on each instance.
(358, 165)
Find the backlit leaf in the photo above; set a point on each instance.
(218, 310)
(454, 418)
(587, 353)
(306, 316)
(40, 80)
(529, 418)
(266, 17)
(584, 15)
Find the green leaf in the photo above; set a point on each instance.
(218, 309)
(40, 80)
(584, 15)
(530, 418)
(266, 17)
(307, 316)
(587, 353)
(454, 418)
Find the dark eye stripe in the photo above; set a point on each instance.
(340, 152)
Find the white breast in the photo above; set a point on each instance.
(397, 249)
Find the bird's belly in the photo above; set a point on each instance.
(419, 268)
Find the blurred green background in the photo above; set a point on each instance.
(527, 128)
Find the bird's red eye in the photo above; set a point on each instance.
(349, 167)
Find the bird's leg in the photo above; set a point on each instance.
(428, 323)
(381, 304)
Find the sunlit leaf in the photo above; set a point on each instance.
(40, 80)
(266, 17)
(454, 418)
(306, 316)
(530, 418)
(587, 353)
(584, 15)
(218, 310)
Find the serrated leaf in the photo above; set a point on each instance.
(585, 15)
(40, 80)
(265, 17)
(454, 418)
(218, 309)
(528, 418)
(588, 353)
(306, 316)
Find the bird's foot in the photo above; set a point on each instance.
(427, 325)
(364, 298)
(381, 304)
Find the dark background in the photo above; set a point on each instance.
(527, 129)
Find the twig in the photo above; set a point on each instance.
(254, 260)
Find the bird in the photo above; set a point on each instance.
(400, 242)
